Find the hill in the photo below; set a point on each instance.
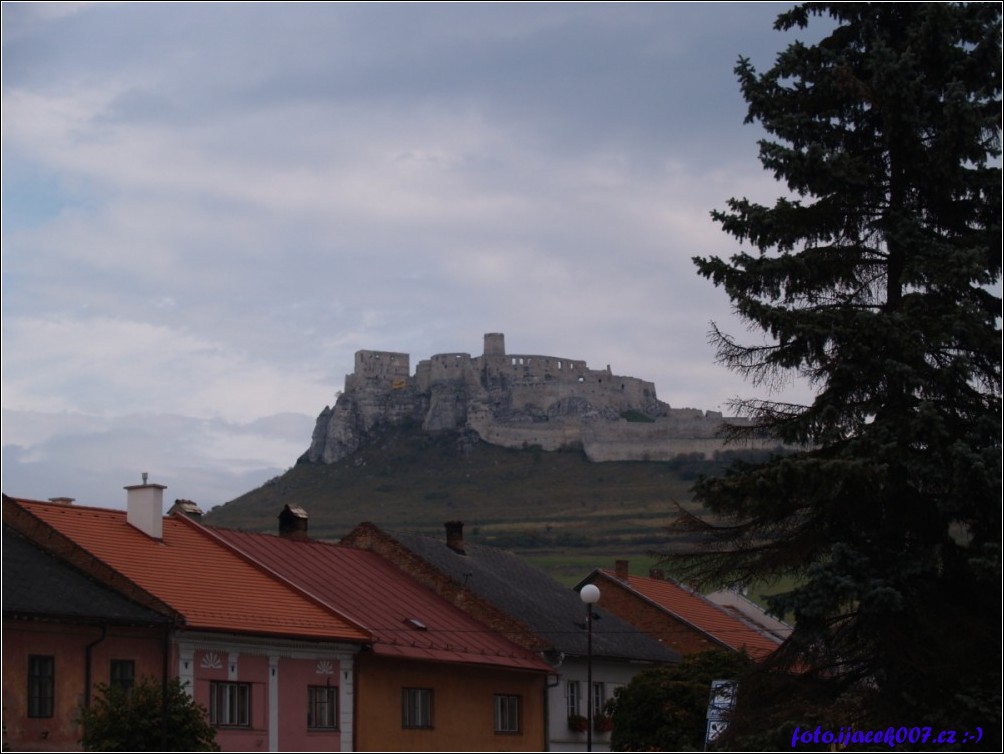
(556, 508)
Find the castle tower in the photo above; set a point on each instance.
(494, 344)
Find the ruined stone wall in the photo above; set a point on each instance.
(606, 394)
(598, 446)
(449, 367)
(548, 435)
(379, 368)
(620, 440)
(512, 400)
(535, 368)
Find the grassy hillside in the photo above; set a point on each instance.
(562, 512)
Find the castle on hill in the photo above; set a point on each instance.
(513, 400)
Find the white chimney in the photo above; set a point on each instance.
(145, 508)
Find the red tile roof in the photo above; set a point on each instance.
(690, 607)
(211, 586)
(406, 618)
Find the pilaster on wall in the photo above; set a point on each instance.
(346, 700)
(273, 702)
(186, 668)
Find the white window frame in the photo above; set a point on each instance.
(572, 694)
(598, 698)
(416, 708)
(322, 707)
(230, 704)
(507, 713)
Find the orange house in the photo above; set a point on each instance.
(273, 667)
(501, 590)
(434, 678)
(63, 632)
(681, 618)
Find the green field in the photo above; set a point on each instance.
(557, 509)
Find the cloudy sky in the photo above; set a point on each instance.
(208, 208)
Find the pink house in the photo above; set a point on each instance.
(62, 633)
(434, 678)
(273, 667)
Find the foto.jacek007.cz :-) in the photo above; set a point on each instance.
(891, 736)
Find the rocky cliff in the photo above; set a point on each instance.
(512, 400)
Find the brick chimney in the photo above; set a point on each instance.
(621, 570)
(657, 573)
(293, 523)
(455, 536)
(145, 508)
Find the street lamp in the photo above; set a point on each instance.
(590, 594)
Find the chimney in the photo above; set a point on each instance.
(61, 500)
(145, 508)
(186, 508)
(293, 522)
(455, 536)
(657, 573)
(621, 570)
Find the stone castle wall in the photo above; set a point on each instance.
(512, 400)
(378, 368)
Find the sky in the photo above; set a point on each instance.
(208, 208)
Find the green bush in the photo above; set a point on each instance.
(634, 415)
(665, 709)
(136, 720)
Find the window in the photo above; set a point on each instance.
(322, 706)
(41, 685)
(123, 674)
(598, 699)
(572, 697)
(416, 708)
(506, 713)
(230, 703)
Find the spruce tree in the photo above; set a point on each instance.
(876, 279)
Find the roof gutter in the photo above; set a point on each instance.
(88, 657)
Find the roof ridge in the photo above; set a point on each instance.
(22, 520)
(367, 534)
(439, 626)
(250, 559)
(103, 539)
(725, 636)
(659, 605)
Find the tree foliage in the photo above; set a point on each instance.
(876, 278)
(665, 709)
(136, 720)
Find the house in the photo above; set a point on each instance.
(433, 678)
(63, 632)
(683, 619)
(501, 590)
(273, 666)
(745, 609)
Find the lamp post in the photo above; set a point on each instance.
(590, 594)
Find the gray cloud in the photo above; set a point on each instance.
(208, 208)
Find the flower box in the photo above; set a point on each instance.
(577, 723)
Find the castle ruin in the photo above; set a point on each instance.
(512, 400)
